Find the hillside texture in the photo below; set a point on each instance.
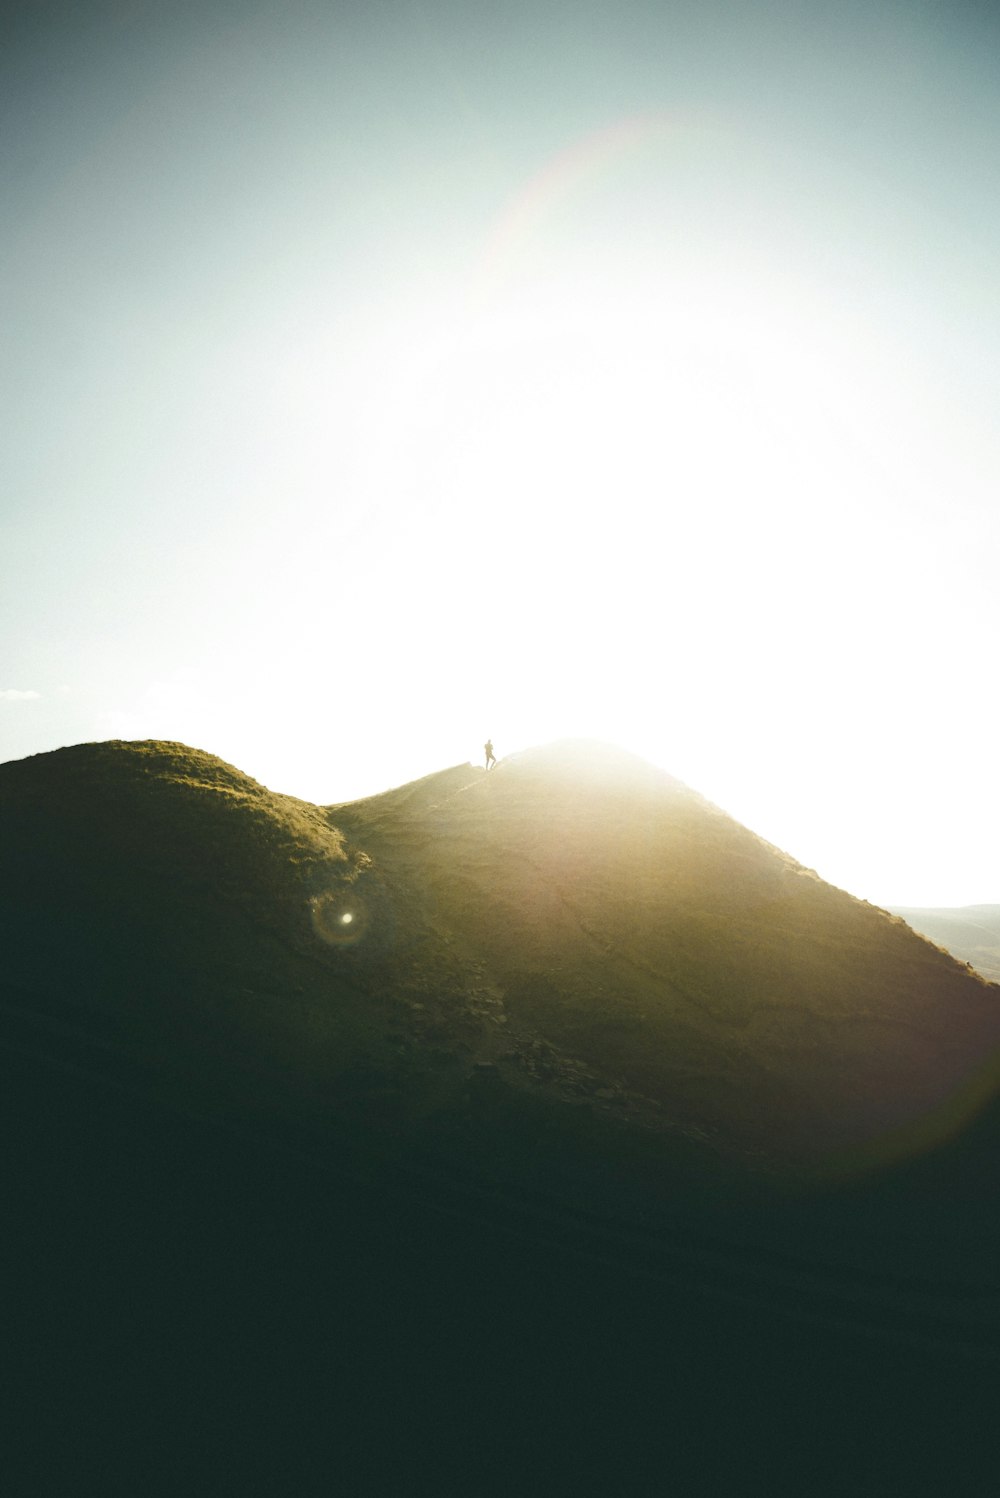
(574, 931)
(631, 943)
(534, 1131)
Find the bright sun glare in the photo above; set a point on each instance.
(644, 484)
(673, 504)
(668, 513)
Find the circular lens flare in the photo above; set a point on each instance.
(338, 920)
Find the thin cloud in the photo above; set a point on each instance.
(11, 694)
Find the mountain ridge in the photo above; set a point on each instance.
(574, 927)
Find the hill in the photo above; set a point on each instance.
(672, 956)
(465, 1111)
(574, 930)
(970, 932)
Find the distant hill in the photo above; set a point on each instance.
(542, 1130)
(970, 932)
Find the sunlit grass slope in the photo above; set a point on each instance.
(646, 948)
(572, 941)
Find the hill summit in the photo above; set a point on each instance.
(574, 931)
(702, 975)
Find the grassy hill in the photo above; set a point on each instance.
(574, 931)
(632, 945)
(500, 1112)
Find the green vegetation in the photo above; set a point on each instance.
(686, 975)
(542, 1090)
(576, 941)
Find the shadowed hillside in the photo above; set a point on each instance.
(505, 1067)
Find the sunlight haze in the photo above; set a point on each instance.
(378, 380)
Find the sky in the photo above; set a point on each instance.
(381, 377)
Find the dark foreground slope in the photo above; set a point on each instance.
(476, 1138)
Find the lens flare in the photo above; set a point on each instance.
(339, 918)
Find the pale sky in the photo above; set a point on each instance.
(381, 377)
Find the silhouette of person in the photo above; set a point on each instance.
(491, 758)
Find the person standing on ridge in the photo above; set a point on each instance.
(491, 758)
